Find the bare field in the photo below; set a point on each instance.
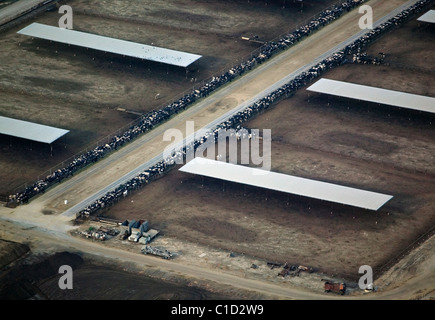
(346, 142)
(35, 277)
(80, 90)
(6, 3)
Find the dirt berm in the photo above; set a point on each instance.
(11, 251)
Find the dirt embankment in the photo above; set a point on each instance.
(20, 281)
(11, 251)
(37, 277)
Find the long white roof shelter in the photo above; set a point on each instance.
(373, 94)
(117, 46)
(29, 130)
(286, 183)
(428, 17)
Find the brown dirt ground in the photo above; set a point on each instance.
(37, 277)
(56, 85)
(6, 3)
(30, 262)
(352, 143)
(11, 251)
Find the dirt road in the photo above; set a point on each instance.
(56, 239)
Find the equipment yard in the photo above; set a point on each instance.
(225, 239)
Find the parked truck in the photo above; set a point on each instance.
(339, 288)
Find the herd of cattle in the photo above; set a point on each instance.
(152, 119)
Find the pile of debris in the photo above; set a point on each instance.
(157, 252)
(101, 233)
(94, 234)
(109, 232)
(290, 270)
(274, 265)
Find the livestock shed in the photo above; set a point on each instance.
(428, 17)
(286, 183)
(30, 130)
(112, 45)
(373, 94)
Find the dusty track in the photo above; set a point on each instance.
(56, 240)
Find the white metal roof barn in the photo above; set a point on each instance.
(30, 131)
(286, 183)
(373, 94)
(428, 17)
(112, 45)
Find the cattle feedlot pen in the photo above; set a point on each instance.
(286, 183)
(428, 17)
(372, 94)
(29, 130)
(117, 46)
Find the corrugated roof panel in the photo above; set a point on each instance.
(30, 130)
(286, 183)
(117, 46)
(372, 94)
(428, 17)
